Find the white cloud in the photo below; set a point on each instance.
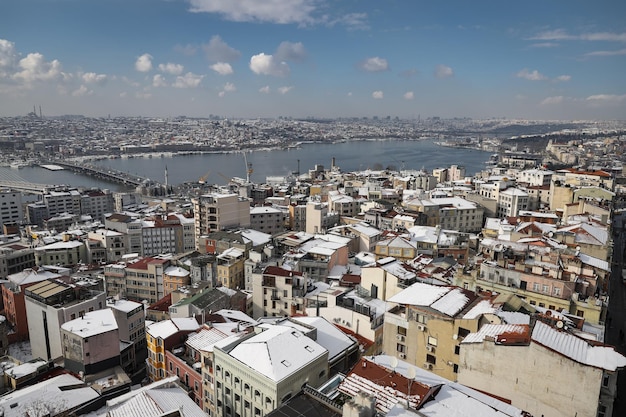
(159, 81)
(284, 90)
(563, 78)
(268, 65)
(408, 95)
(374, 64)
(82, 91)
(230, 87)
(144, 63)
(544, 45)
(264, 90)
(34, 67)
(290, 51)
(189, 80)
(531, 75)
(93, 78)
(219, 51)
(8, 57)
(605, 99)
(352, 20)
(222, 68)
(552, 100)
(221, 94)
(563, 35)
(171, 68)
(378, 95)
(607, 53)
(443, 71)
(273, 11)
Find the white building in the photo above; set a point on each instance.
(511, 201)
(11, 210)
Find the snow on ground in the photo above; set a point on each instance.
(21, 351)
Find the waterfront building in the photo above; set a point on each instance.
(51, 303)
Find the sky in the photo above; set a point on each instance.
(546, 59)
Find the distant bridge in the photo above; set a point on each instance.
(29, 187)
(106, 174)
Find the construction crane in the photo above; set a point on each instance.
(249, 169)
(202, 179)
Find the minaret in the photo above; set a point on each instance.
(166, 179)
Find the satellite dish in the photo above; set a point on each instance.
(410, 373)
(394, 363)
(559, 324)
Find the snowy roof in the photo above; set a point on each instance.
(50, 397)
(157, 399)
(257, 238)
(596, 262)
(278, 352)
(71, 244)
(451, 400)
(482, 307)
(578, 349)
(92, 323)
(167, 328)
(447, 300)
(236, 316)
(26, 368)
(29, 276)
(231, 253)
(176, 271)
(328, 335)
(494, 330)
(124, 305)
(205, 339)
(264, 210)
(365, 229)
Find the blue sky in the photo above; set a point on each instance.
(323, 58)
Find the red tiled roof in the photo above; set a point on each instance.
(163, 304)
(278, 271)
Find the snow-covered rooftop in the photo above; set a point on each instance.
(92, 323)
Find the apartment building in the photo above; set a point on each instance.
(91, 343)
(114, 243)
(66, 253)
(214, 212)
(11, 209)
(144, 279)
(264, 369)
(278, 292)
(96, 203)
(319, 217)
(15, 258)
(131, 322)
(426, 324)
(164, 336)
(511, 201)
(504, 360)
(268, 220)
(51, 303)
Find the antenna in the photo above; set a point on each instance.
(411, 374)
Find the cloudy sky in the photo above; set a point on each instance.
(326, 58)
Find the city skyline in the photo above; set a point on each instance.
(299, 58)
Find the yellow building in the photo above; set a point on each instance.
(163, 336)
(427, 325)
(231, 268)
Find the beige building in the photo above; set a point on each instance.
(258, 373)
(231, 268)
(268, 220)
(213, 212)
(426, 326)
(319, 217)
(544, 370)
(278, 292)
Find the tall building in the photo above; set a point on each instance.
(51, 303)
(213, 212)
(11, 210)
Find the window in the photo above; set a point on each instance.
(400, 348)
(457, 349)
(432, 341)
(431, 359)
(455, 368)
(401, 331)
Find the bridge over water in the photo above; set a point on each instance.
(10, 179)
(106, 174)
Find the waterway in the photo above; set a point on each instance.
(219, 168)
